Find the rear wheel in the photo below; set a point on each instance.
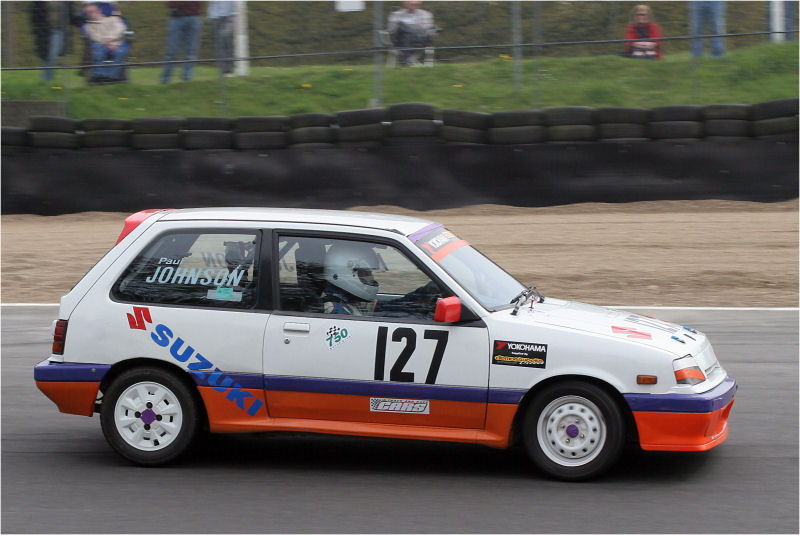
(149, 416)
(573, 430)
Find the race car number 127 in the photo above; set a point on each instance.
(410, 337)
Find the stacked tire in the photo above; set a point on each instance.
(724, 123)
(570, 124)
(106, 135)
(677, 124)
(361, 128)
(465, 127)
(413, 123)
(311, 131)
(776, 120)
(207, 133)
(48, 132)
(621, 125)
(156, 133)
(524, 127)
(261, 132)
(14, 139)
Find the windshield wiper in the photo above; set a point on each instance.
(523, 296)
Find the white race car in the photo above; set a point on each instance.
(248, 319)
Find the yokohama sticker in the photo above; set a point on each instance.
(407, 406)
(527, 354)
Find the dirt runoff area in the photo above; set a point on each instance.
(666, 253)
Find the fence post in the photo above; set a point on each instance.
(241, 43)
(537, 38)
(377, 24)
(516, 38)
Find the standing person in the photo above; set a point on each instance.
(222, 14)
(646, 32)
(411, 27)
(51, 24)
(183, 33)
(711, 14)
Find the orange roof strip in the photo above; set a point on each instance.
(447, 249)
(689, 373)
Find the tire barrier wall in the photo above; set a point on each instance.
(405, 156)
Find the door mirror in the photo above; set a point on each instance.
(448, 309)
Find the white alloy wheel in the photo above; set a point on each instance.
(571, 431)
(148, 416)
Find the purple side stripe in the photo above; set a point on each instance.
(57, 371)
(422, 232)
(710, 401)
(245, 380)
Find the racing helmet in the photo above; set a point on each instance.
(349, 266)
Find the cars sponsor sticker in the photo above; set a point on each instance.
(440, 244)
(407, 406)
(527, 354)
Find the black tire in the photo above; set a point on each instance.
(742, 112)
(157, 125)
(185, 418)
(311, 134)
(88, 125)
(260, 140)
(413, 128)
(625, 140)
(457, 134)
(778, 125)
(675, 129)
(208, 123)
(583, 436)
(727, 139)
(726, 127)
(14, 136)
(789, 137)
(621, 115)
(107, 138)
(466, 119)
(155, 141)
(206, 139)
(411, 110)
(362, 132)
(785, 107)
(571, 132)
(676, 113)
(505, 119)
(267, 123)
(620, 130)
(54, 140)
(312, 146)
(569, 115)
(367, 116)
(310, 120)
(517, 135)
(47, 123)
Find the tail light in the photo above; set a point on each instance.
(687, 372)
(59, 337)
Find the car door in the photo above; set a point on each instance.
(387, 362)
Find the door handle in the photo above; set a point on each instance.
(296, 327)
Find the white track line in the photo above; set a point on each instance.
(622, 307)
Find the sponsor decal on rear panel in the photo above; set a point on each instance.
(527, 354)
(407, 406)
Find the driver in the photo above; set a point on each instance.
(351, 287)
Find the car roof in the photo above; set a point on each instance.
(396, 223)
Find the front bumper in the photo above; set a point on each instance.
(683, 422)
(72, 387)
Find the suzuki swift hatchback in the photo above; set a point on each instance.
(247, 319)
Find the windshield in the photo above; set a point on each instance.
(482, 278)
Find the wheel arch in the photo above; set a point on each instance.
(631, 432)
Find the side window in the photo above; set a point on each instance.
(333, 276)
(211, 269)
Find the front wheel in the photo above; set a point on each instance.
(573, 430)
(149, 416)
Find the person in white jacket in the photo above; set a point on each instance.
(107, 42)
(411, 27)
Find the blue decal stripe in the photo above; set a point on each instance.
(244, 380)
(509, 397)
(58, 371)
(375, 388)
(710, 401)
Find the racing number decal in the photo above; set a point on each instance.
(410, 336)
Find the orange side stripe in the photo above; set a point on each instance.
(447, 249)
(71, 397)
(687, 373)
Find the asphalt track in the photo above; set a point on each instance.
(58, 474)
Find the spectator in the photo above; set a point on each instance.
(222, 16)
(183, 32)
(711, 14)
(646, 32)
(51, 23)
(107, 42)
(411, 27)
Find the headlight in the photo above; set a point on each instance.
(687, 372)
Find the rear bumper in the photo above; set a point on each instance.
(689, 422)
(72, 387)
